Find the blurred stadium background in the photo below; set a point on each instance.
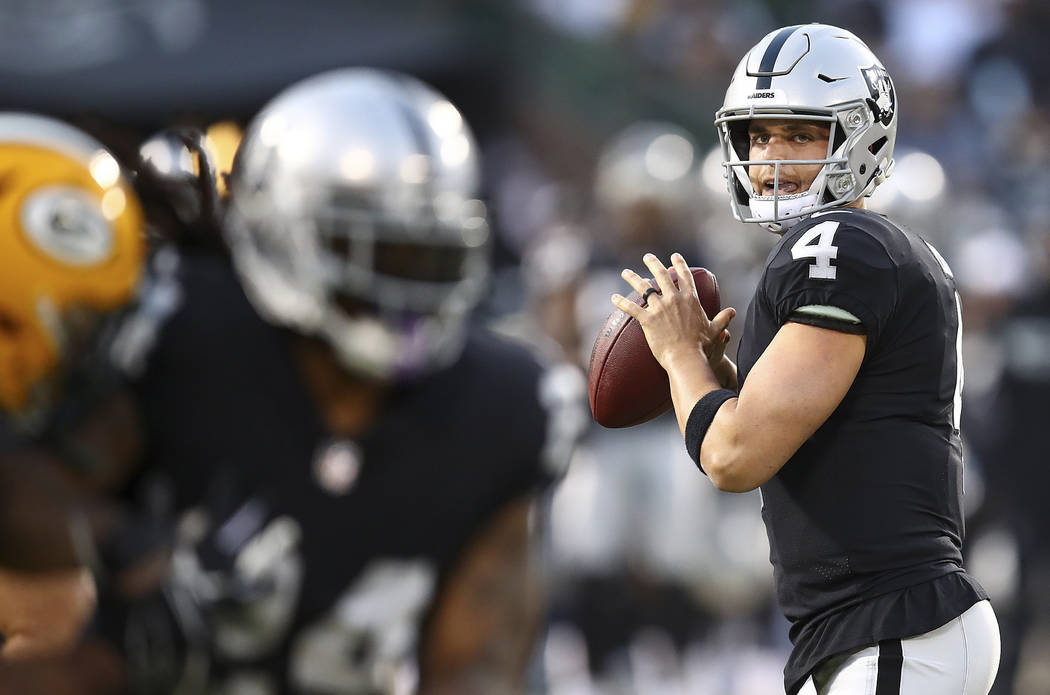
(594, 118)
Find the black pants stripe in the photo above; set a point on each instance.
(891, 663)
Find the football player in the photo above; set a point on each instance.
(71, 254)
(357, 465)
(845, 406)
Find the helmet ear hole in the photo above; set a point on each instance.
(739, 139)
(742, 196)
(878, 145)
(839, 137)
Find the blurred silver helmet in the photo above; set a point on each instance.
(811, 72)
(648, 160)
(353, 217)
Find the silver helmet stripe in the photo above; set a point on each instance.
(769, 58)
(417, 129)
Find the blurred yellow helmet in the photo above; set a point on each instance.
(71, 246)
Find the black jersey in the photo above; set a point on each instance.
(865, 521)
(10, 437)
(324, 554)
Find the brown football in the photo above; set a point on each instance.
(627, 385)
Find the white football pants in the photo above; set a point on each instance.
(959, 658)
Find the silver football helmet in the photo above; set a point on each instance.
(811, 72)
(353, 217)
(648, 160)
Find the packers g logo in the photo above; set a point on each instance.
(68, 225)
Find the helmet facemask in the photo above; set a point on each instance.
(835, 185)
(390, 296)
(399, 292)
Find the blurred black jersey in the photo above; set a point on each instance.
(10, 437)
(865, 521)
(321, 556)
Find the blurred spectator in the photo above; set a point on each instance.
(651, 565)
(644, 199)
(1012, 445)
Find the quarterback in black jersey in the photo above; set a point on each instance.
(844, 407)
(356, 468)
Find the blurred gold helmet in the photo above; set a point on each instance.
(71, 249)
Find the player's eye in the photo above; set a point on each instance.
(803, 138)
(759, 139)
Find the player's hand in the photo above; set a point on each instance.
(674, 322)
(43, 613)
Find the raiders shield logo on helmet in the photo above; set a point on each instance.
(881, 88)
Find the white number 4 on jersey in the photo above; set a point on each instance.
(821, 252)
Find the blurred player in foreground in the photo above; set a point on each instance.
(846, 406)
(357, 465)
(72, 246)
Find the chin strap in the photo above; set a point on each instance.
(784, 205)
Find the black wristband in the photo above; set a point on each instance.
(700, 420)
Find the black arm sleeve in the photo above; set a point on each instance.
(700, 418)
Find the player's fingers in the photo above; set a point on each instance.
(628, 307)
(636, 281)
(721, 320)
(685, 276)
(660, 274)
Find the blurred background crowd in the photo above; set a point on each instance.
(594, 123)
